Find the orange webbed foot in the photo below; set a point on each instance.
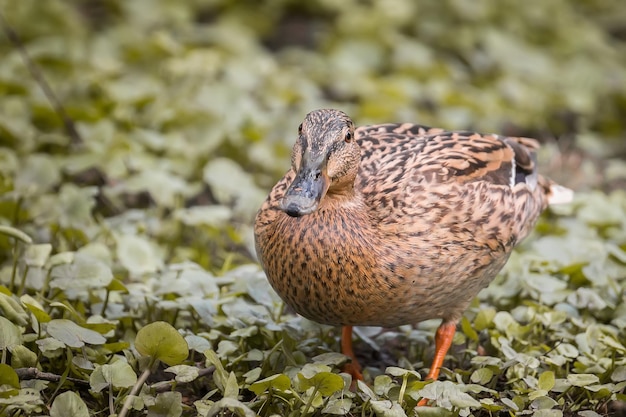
(353, 368)
(443, 341)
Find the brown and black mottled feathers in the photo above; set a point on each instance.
(414, 176)
(430, 218)
(443, 156)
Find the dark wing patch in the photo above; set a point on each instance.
(470, 156)
(525, 150)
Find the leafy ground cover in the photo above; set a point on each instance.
(128, 283)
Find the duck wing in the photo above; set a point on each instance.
(451, 186)
(436, 155)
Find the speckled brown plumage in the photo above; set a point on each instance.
(397, 223)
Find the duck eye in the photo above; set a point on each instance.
(348, 137)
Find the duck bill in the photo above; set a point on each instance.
(305, 192)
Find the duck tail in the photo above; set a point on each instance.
(554, 193)
(557, 194)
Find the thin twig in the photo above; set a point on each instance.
(34, 373)
(36, 73)
(129, 401)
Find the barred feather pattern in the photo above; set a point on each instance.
(416, 224)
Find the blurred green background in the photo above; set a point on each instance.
(191, 103)
(245, 71)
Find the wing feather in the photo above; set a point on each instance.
(475, 186)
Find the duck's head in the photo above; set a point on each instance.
(325, 159)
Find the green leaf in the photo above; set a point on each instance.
(119, 374)
(230, 404)
(8, 376)
(383, 383)
(97, 379)
(61, 258)
(117, 285)
(400, 372)
(163, 342)
(69, 404)
(246, 332)
(213, 216)
(137, 402)
(231, 390)
(546, 381)
(386, 408)
(484, 319)
(462, 400)
(278, 382)
(35, 308)
(510, 403)
(138, 255)
(115, 347)
(612, 343)
(85, 272)
(12, 310)
(197, 343)
(38, 173)
(619, 374)
(366, 390)
(504, 321)
(167, 404)
(338, 406)
(311, 369)
(447, 391)
(22, 357)
(76, 204)
(163, 186)
(66, 305)
(220, 376)
(240, 189)
(581, 380)
(568, 350)
(468, 330)
(184, 373)
(490, 405)
(102, 328)
(50, 347)
(72, 334)
(83, 363)
(10, 334)
(326, 383)
(330, 358)
(252, 375)
(37, 255)
(482, 376)
(543, 402)
(588, 413)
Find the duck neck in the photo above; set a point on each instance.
(338, 196)
(343, 191)
(344, 198)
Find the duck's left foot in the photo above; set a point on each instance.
(422, 403)
(354, 371)
(443, 341)
(354, 367)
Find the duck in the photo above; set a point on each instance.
(397, 223)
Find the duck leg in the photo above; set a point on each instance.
(353, 368)
(443, 340)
